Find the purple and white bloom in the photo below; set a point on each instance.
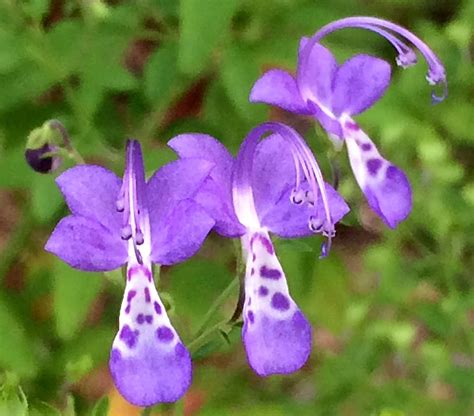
(134, 222)
(276, 186)
(334, 93)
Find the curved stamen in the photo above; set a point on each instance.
(305, 163)
(436, 72)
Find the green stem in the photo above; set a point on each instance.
(216, 305)
(196, 342)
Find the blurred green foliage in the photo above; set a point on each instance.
(393, 311)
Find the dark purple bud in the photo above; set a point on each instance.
(43, 159)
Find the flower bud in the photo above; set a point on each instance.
(42, 149)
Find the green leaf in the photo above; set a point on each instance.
(73, 292)
(239, 71)
(101, 408)
(203, 24)
(161, 76)
(16, 352)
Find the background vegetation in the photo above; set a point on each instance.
(393, 311)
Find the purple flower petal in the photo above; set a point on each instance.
(273, 173)
(148, 362)
(278, 88)
(174, 182)
(179, 234)
(359, 83)
(316, 69)
(87, 245)
(272, 190)
(289, 220)
(215, 194)
(385, 186)
(276, 335)
(92, 191)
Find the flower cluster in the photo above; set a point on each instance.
(274, 185)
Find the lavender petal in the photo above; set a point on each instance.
(279, 88)
(359, 83)
(148, 362)
(276, 335)
(179, 233)
(385, 186)
(215, 194)
(91, 191)
(87, 245)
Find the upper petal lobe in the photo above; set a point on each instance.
(87, 245)
(92, 191)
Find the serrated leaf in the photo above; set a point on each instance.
(73, 292)
(203, 23)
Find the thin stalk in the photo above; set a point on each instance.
(216, 305)
(196, 342)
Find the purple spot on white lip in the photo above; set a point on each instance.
(140, 319)
(280, 301)
(373, 165)
(131, 295)
(147, 295)
(252, 272)
(164, 334)
(149, 319)
(263, 291)
(267, 244)
(366, 147)
(180, 349)
(115, 355)
(392, 173)
(250, 317)
(128, 336)
(249, 302)
(268, 273)
(157, 308)
(351, 125)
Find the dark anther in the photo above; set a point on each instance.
(126, 232)
(139, 237)
(315, 224)
(297, 196)
(120, 205)
(138, 255)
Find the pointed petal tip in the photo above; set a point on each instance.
(277, 346)
(152, 375)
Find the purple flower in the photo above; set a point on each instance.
(131, 221)
(273, 186)
(333, 93)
